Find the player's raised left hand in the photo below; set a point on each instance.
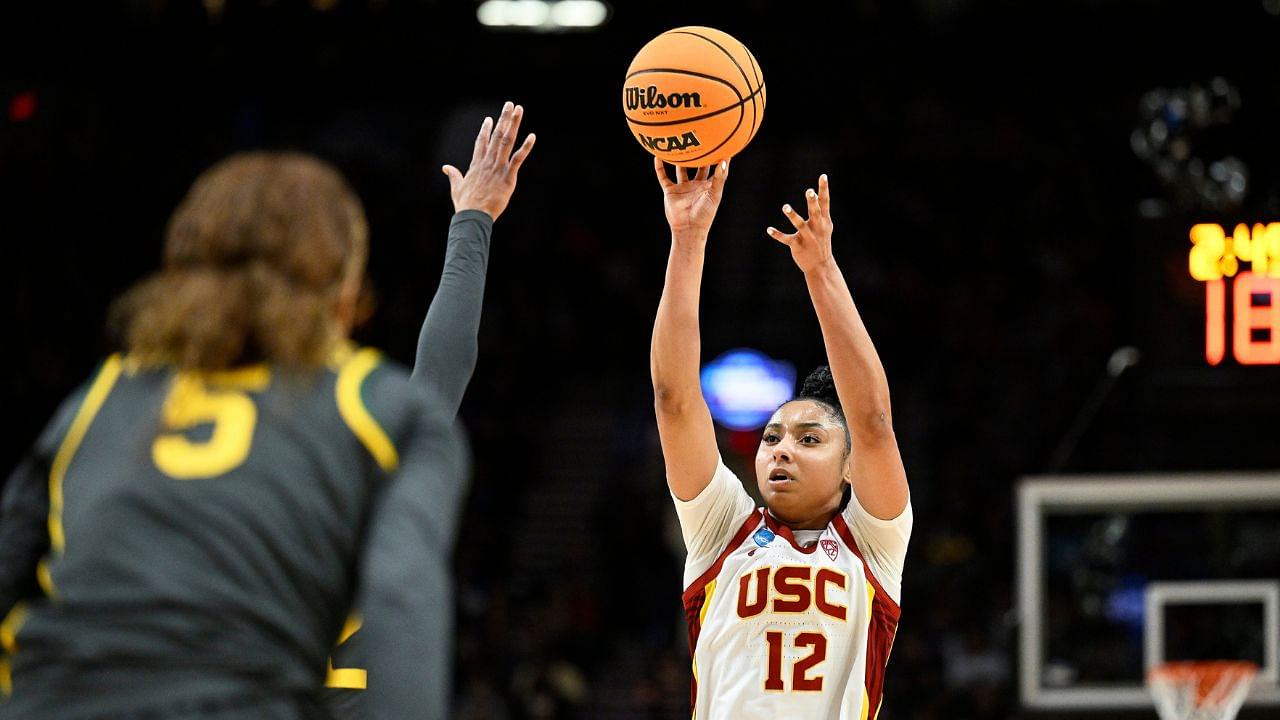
(491, 178)
(811, 242)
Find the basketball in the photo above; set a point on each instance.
(694, 96)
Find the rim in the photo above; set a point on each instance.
(1186, 669)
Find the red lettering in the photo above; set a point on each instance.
(751, 608)
(825, 577)
(792, 585)
(792, 589)
(773, 681)
(799, 681)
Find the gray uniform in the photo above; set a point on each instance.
(206, 538)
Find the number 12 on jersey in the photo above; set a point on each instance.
(801, 681)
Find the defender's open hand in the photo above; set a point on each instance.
(491, 178)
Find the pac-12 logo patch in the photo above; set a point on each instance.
(763, 536)
(831, 548)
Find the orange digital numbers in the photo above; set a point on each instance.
(1257, 319)
(1214, 259)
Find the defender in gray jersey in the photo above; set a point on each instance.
(190, 532)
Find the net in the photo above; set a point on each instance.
(1200, 690)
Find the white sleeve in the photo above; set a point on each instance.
(883, 543)
(709, 520)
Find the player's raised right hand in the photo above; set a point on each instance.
(491, 178)
(691, 204)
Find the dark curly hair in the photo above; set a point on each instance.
(820, 387)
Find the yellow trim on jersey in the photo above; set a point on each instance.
(79, 426)
(694, 714)
(706, 602)
(45, 578)
(347, 678)
(8, 641)
(11, 625)
(866, 697)
(871, 599)
(702, 618)
(354, 413)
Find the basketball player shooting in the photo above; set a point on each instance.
(792, 608)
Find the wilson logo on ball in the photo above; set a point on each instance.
(666, 144)
(693, 96)
(649, 99)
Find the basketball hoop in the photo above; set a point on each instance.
(1200, 690)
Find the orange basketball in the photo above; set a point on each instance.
(694, 96)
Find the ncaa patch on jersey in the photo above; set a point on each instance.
(763, 537)
(831, 548)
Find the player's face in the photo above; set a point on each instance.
(802, 464)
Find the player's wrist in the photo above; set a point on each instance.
(461, 212)
(823, 270)
(690, 235)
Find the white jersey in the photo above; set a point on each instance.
(782, 627)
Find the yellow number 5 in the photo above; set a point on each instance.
(216, 398)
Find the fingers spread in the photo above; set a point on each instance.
(722, 171)
(702, 173)
(793, 216)
(509, 139)
(661, 170)
(780, 236)
(503, 137)
(811, 199)
(525, 148)
(482, 140)
(824, 194)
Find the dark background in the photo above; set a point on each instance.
(1001, 237)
